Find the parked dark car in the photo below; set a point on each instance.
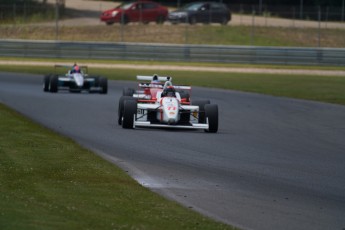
(139, 11)
(204, 12)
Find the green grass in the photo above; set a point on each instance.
(268, 36)
(330, 89)
(182, 34)
(49, 182)
(163, 63)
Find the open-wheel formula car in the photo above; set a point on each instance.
(166, 109)
(74, 81)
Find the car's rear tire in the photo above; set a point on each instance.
(54, 82)
(121, 107)
(201, 104)
(192, 20)
(211, 113)
(128, 91)
(224, 21)
(46, 81)
(130, 109)
(103, 83)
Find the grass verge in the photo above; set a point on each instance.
(166, 63)
(49, 182)
(330, 89)
(182, 34)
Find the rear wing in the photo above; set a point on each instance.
(150, 78)
(83, 67)
(70, 66)
(160, 86)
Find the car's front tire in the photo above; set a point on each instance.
(54, 82)
(130, 109)
(46, 81)
(103, 83)
(211, 114)
(121, 107)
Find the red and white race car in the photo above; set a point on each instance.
(147, 91)
(161, 104)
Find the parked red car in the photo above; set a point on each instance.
(139, 11)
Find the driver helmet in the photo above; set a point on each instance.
(76, 68)
(170, 91)
(155, 79)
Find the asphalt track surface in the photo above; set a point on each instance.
(276, 163)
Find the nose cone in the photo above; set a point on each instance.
(79, 80)
(170, 110)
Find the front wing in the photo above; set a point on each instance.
(192, 124)
(153, 125)
(68, 83)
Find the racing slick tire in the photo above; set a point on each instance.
(46, 81)
(211, 113)
(130, 109)
(122, 107)
(54, 82)
(103, 83)
(201, 104)
(128, 92)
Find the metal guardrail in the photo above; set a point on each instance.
(168, 52)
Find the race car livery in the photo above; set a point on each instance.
(164, 107)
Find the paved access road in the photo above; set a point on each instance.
(87, 12)
(276, 163)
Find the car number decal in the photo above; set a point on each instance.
(171, 107)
